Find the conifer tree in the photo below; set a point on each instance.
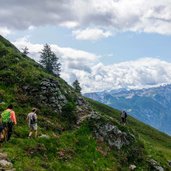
(25, 51)
(76, 86)
(49, 60)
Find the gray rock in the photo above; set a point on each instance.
(108, 132)
(81, 101)
(159, 168)
(26, 87)
(5, 164)
(132, 167)
(51, 95)
(43, 88)
(44, 136)
(155, 165)
(54, 105)
(42, 97)
(45, 83)
(169, 162)
(62, 97)
(94, 116)
(52, 99)
(83, 118)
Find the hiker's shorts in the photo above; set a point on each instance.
(33, 127)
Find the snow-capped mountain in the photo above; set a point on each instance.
(152, 106)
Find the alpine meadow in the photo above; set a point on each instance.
(85, 85)
(74, 133)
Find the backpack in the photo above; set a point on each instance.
(5, 115)
(124, 114)
(33, 119)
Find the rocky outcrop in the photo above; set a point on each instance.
(155, 166)
(103, 128)
(83, 110)
(169, 163)
(52, 94)
(48, 93)
(106, 131)
(5, 164)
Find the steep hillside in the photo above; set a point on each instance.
(151, 106)
(74, 133)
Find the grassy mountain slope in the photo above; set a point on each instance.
(62, 144)
(156, 143)
(150, 105)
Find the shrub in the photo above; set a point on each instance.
(2, 93)
(3, 52)
(8, 77)
(68, 114)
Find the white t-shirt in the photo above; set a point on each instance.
(30, 116)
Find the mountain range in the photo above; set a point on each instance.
(150, 105)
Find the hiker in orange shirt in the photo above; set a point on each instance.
(8, 120)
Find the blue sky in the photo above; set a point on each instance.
(119, 47)
(96, 39)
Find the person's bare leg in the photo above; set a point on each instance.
(30, 134)
(35, 133)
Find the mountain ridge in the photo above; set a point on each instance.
(148, 105)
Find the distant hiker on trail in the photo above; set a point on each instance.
(8, 120)
(123, 117)
(32, 122)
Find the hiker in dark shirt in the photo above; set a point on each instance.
(123, 117)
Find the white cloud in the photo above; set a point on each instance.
(146, 72)
(66, 52)
(4, 31)
(69, 24)
(95, 76)
(91, 34)
(31, 28)
(73, 60)
(117, 15)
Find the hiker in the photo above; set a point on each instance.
(123, 117)
(8, 120)
(32, 122)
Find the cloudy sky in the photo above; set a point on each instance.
(104, 44)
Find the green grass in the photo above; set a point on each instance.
(156, 143)
(67, 149)
(72, 150)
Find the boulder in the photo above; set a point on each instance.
(106, 131)
(81, 101)
(44, 136)
(51, 95)
(5, 164)
(169, 162)
(132, 167)
(155, 166)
